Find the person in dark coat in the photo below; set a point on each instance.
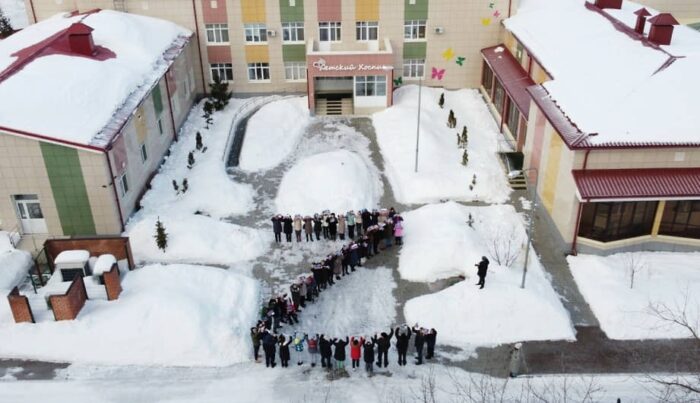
(383, 345)
(317, 227)
(418, 343)
(284, 350)
(366, 219)
(325, 347)
(287, 225)
(277, 228)
(430, 339)
(368, 354)
(255, 338)
(268, 342)
(339, 354)
(483, 267)
(332, 226)
(354, 259)
(403, 337)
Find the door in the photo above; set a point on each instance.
(30, 216)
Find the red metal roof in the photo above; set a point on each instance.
(663, 19)
(512, 76)
(637, 183)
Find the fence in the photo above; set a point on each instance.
(117, 246)
(19, 304)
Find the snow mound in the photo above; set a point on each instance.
(624, 313)
(273, 132)
(16, 11)
(176, 315)
(195, 239)
(338, 181)
(441, 174)
(14, 266)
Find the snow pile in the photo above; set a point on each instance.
(16, 11)
(338, 181)
(195, 239)
(273, 132)
(14, 265)
(175, 315)
(103, 264)
(438, 242)
(662, 279)
(441, 174)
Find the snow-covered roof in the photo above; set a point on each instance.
(104, 264)
(614, 86)
(48, 89)
(72, 256)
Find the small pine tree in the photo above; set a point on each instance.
(473, 179)
(176, 187)
(161, 236)
(465, 137)
(470, 221)
(465, 158)
(208, 110)
(459, 140)
(5, 26)
(441, 102)
(190, 160)
(219, 93)
(198, 141)
(185, 185)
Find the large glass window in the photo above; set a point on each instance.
(255, 33)
(612, 221)
(370, 86)
(224, 71)
(681, 218)
(366, 30)
(413, 68)
(258, 71)
(513, 118)
(217, 33)
(294, 71)
(329, 31)
(414, 29)
(499, 96)
(293, 31)
(487, 78)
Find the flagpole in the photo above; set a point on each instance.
(420, 88)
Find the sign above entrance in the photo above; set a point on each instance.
(321, 65)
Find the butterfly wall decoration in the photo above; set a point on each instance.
(438, 74)
(398, 81)
(448, 54)
(460, 60)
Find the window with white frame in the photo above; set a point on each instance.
(292, 31)
(144, 153)
(329, 31)
(224, 71)
(366, 30)
(217, 33)
(255, 33)
(370, 86)
(258, 71)
(295, 71)
(414, 29)
(413, 68)
(123, 185)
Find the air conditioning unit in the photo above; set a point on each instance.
(439, 30)
(271, 33)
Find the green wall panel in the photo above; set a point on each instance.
(157, 99)
(414, 50)
(292, 14)
(68, 187)
(418, 11)
(294, 53)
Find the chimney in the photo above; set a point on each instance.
(642, 15)
(80, 39)
(609, 4)
(661, 30)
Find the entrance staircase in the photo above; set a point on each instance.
(518, 182)
(334, 107)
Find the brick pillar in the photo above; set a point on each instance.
(112, 283)
(68, 305)
(19, 304)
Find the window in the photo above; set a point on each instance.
(519, 52)
(222, 70)
(681, 218)
(499, 95)
(144, 153)
(487, 78)
(607, 222)
(217, 33)
(258, 71)
(123, 185)
(329, 31)
(413, 68)
(160, 125)
(370, 86)
(414, 29)
(366, 30)
(255, 33)
(293, 31)
(295, 71)
(513, 117)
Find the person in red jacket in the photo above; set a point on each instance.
(356, 351)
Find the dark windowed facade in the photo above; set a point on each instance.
(499, 95)
(513, 117)
(487, 78)
(607, 222)
(681, 218)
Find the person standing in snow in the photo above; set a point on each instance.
(284, 350)
(287, 225)
(309, 229)
(312, 343)
(369, 355)
(297, 224)
(383, 345)
(268, 342)
(341, 226)
(298, 344)
(325, 347)
(255, 338)
(366, 220)
(354, 256)
(324, 224)
(356, 351)
(332, 226)
(303, 291)
(418, 343)
(483, 267)
(398, 232)
(317, 226)
(358, 222)
(430, 339)
(277, 227)
(403, 337)
(350, 221)
(339, 354)
(388, 233)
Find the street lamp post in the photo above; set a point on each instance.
(531, 216)
(420, 88)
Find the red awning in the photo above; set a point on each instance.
(638, 183)
(512, 76)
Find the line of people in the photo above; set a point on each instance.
(334, 226)
(332, 351)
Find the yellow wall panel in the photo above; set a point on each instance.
(257, 54)
(367, 10)
(657, 219)
(552, 172)
(140, 125)
(253, 11)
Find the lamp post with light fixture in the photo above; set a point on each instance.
(531, 215)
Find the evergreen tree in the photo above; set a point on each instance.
(459, 140)
(441, 102)
(176, 187)
(5, 26)
(465, 136)
(161, 236)
(198, 141)
(465, 158)
(470, 221)
(190, 160)
(185, 185)
(208, 110)
(474, 180)
(219, 93)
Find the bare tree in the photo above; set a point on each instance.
(634, 263)
(504, 246)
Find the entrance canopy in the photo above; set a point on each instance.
(655, 183)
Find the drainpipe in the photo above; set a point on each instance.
(31, 5)
(510, 4)
(170, 105)
(585, 159)
(578, 223)
(114, 188)
(199, 47)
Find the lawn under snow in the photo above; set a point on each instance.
(177, 315)
(14, 265)
(16, 11)
(664, 278)
(273, 132)
(441, 174)
(438, 244)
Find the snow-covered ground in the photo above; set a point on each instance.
(16, 11)
(273, 132)
(175, 315)
(14, 264)
(662, 279)
(441, 174)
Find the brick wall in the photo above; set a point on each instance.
(112, 283)
(19, 304)
(68, 305)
